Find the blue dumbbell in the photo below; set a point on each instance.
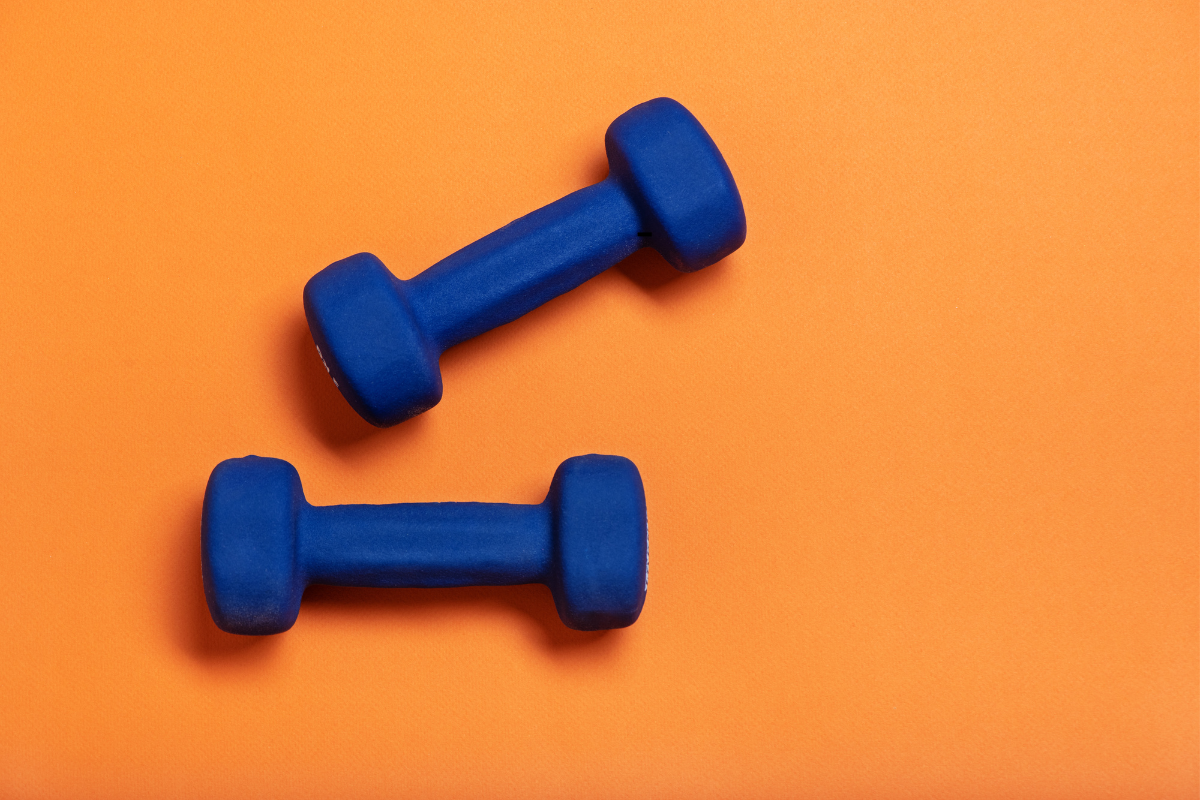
(668, 188)
(261, 543)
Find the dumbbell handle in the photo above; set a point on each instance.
(424, 545)
(526, 263)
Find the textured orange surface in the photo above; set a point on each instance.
(921, 457)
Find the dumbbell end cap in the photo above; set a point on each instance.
(370, 341)
(599, 514)
(248, 545)
(679, 181)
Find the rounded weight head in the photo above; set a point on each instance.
(370, 341)
(600, 548)
(666, 159)
(248, 545)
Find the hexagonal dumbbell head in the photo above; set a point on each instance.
(668, 188)
(262, 543)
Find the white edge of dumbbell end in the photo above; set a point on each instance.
(321, 356)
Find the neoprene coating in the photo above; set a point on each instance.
(668, 188)
(262, 543)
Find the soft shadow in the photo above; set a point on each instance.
(324, 411)
(533, 603)
(666, 285)
(648, 269)
(327, 413)
(596, 170)
(195, 630)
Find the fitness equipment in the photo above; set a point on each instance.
(261, 543)
(668, 188)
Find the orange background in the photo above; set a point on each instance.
(921, 457)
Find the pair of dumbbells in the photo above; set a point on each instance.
(380, 339)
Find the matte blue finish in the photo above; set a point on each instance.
(668, 187)
(261, 543)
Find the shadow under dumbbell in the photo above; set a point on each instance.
(645, 268)
(649, 270)
(325, 412)
(532, 602)
(197, 633)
